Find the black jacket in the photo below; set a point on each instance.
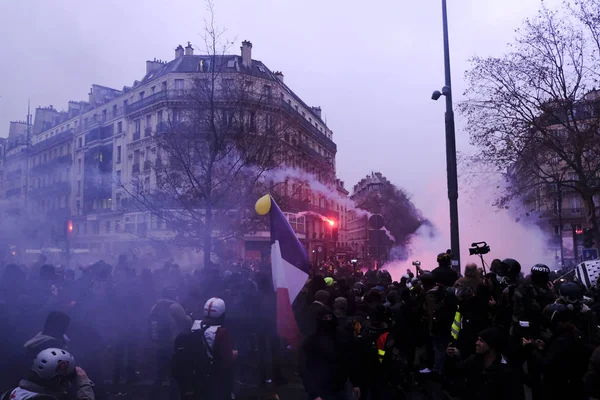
(445, 276)
(497, 382)
(327, 363)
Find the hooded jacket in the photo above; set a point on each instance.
(30, 389)
(180, 321)
(41, 341)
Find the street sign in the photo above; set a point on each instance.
(589, 254)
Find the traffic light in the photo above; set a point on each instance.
(68, 229)
(588, 239)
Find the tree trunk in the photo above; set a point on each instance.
(590, 208)
(207, 245)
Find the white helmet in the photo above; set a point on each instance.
(52, 363)
(214, 308)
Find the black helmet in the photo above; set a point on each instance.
(540, 273)
(556, 312)
(571, 292)
(509, 268)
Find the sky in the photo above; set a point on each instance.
(371, 66)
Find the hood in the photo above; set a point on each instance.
(38, 340)
(28, 389)
(165, 302)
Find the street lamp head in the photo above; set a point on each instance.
(445, 90)
(436, 95)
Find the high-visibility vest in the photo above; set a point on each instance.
(456, 324)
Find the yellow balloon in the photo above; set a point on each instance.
(263, 205)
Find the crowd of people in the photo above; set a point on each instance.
(211, 334)
(485, 335)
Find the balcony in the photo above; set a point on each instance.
(320, 136)
(52, 188)
(99, 133)
(62, 137)
(135, 168)
(313, 153)
(151, 100)
(136, 135)
(47, 166)
(566, 213)
(13, 192)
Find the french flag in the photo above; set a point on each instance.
(289, 265)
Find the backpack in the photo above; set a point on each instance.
(160, 324)
(192, 362)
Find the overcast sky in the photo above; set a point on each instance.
(371, 68)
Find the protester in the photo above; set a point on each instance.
(495, 336)
(54, 376)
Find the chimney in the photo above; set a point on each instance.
(189, 50)
(179, 51)
(152, 66)
(279, 76)
(246, 54)
(317, 111)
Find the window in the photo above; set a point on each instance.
(270, 122)
(78, 188)
(103, 115)
(576, 205)
(119, 127)
(179, 86)
(125, 102)
(114, 111)
(163, 86)
(227, 117)
(107, 226)
(95, 227)
(153, 88)
(118, 154)
(267, 91)
(138, 125)
(147, 182)
(79, 165)
(78, 206)
(148, 121)
(117, 226)
(142, 95)
(119, 176)
(79, 142)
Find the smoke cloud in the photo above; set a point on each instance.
(506, 234)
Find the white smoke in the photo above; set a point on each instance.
(287, 173)
(506, 234)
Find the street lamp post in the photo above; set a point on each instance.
(450, 145)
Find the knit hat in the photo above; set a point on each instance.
(493, 337)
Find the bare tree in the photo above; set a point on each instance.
(222, 135)
(534, 112)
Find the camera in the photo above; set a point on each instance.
(479, 248)
(416, 263)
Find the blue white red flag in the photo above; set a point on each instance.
(289, 266)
